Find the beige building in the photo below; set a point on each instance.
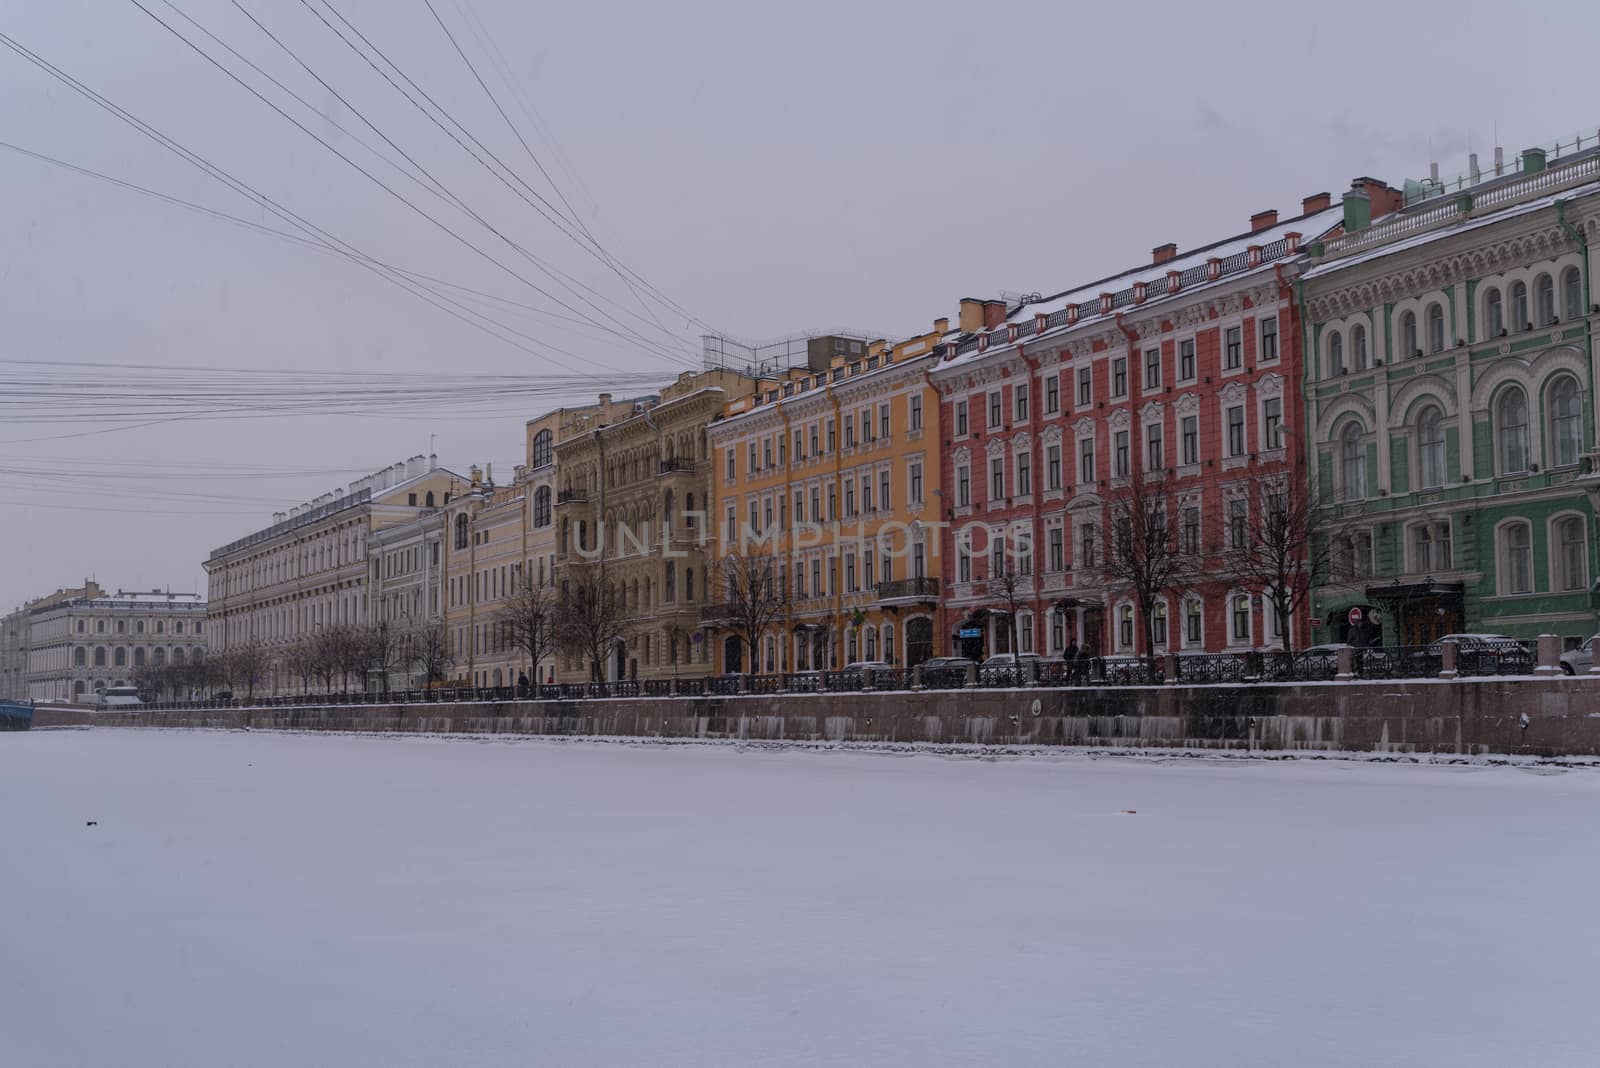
(632, 504)
(310, 568)
(79, 642)
(406, 562)
(483, 564)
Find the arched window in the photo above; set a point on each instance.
(100, 656)
(119, 657)
(428, 501)
(1352, 464)
(1430, 447)
(1436, 327)
(888, 642)
(1358, 347)
(1544, 288)
(872, 643)
(1408, 335)
(1572, 292)
(541, 448)
(1519, 306)
(461, 531)
(1572, 553)
(138, 657)
(80, 657)
(1516, 558)
(158, 657)
(1125, 626)
(1494, 313)
(1158, 625)
(666, 509)
(1566, 422)
(1335, 353)
(541, 506)
(1511, 430)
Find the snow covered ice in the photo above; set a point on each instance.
(273, 899)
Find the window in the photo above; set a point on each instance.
(1120, 453)
(1272, 422)
(1190, 526)
(1158, 625)
(1058, 632)
(994, 410)
(1494, 313)
(1240, 617)
(1125, 626)
(833, 436)
(1436, 327)
(1024, 474)
(850, 431)
(1519, 306)
(1085, 387)
(964, 560)
(997, 478)
(1052, 467)
(1192, 617)
(1430, 547)
(1430, 447)
(1511, 417)
(1186, 366)
(1358, 347)
(1572, 553)
(1269, 338)
(915, 411)
(815, 447)
(1408, 336)
(1056, 548)
(1566, 422)
(961, 417)
(1335, 353)
(964, 486)
(1189, 433)
(733, 465)
(1236, 430)
(542, 452)
(1232, 348)
(1516, 558)
(1086, 461)
(100, 656)
(916, 484)
(1052, 394)
(883, 489)
(883, 421)
(1019, 396)
(461, 532)
(1238, 522)
(1544, 291)
(1119, 377)
(1352, 464)
(1572, 292)
(750, 468)
(1152, 369)
(1088, 542)
(541, 506)
(1153, 460)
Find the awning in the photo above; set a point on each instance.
(1414, 591)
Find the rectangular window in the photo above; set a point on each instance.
(1085, 387)
(1086, 461)
(883, 421)
(850, 498)
(814, 447)
(1191, 621)
(1024, 474)
(1120, 444)
(849, 431)
(833, 439)
(994, 411)
(816, 505)
(1019, 396)
(1189, 429)
(916, 483)
(964, 562)
(1191, 530)
(1052, 394)
(1052, 466)
(750, 472)
(766, 452)
(883, 490)
(850, 572)
(1152, 368)
(1088, 541)
(1241, 617)
(1238, 522)
(1233, 348)
(1119, 376)
(1269, 338)
(1057, 550)
(963, 486)
(1236, 430)
(1186, 369)
(1153, 460)
(732, 465)
(997, 478)
(961, 417)
(997, 555)
(1272, 422)
(916, 411)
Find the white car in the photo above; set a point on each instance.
(1578, 661)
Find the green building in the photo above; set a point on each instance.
(1450, 405)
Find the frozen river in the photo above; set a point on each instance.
(273, 900)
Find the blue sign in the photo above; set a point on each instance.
(969, 632)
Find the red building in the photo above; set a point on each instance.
(1180, 378)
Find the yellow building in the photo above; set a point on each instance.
(484, 557)
(630, 512)
(841, 458)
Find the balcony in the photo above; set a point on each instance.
(718, 613)
(681, 464)
(572, 496)
(922, 590)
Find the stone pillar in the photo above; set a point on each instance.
(866, 678)
(1030, 673)
(1347, 665)
(916, 677)
(1449, 654)
(972, 676)
(1549, 655)
(1169, 666)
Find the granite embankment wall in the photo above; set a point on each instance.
(1544, 717)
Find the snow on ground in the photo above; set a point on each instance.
(253, 899)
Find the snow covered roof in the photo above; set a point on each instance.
(1232, 258)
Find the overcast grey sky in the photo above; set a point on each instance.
(771, 169)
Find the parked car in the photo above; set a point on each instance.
(1010, 659)
(945, 672)
(1578, 661)
(1485, 654)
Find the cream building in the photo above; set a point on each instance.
(310, 568)
(406, 562)
(82, 641)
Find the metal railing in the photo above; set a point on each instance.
(920, 586)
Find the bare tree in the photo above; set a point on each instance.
(529, 619)
(380, 648)
(301, 659)
(245, 663)
(1278, 551)
(1007, 586)
(590, 618)
(754, 598)
(1144, 554)
(427, 649)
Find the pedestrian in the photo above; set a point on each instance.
(523, 685)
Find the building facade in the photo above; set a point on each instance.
(483, 565)
(81, 642)
(1451, 404)
(833, 471)
(310, 569)
(1173, 386)
(406, 561)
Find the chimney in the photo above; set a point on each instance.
(1357, 209)
(433, 461)
(1532, 160)
(994, 313)
(1316, 202)
(1163, 253)
(1263, 219)
(605, 398)
(970, 318)
(1380, 195)
(941, 325)
(1473, 168)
